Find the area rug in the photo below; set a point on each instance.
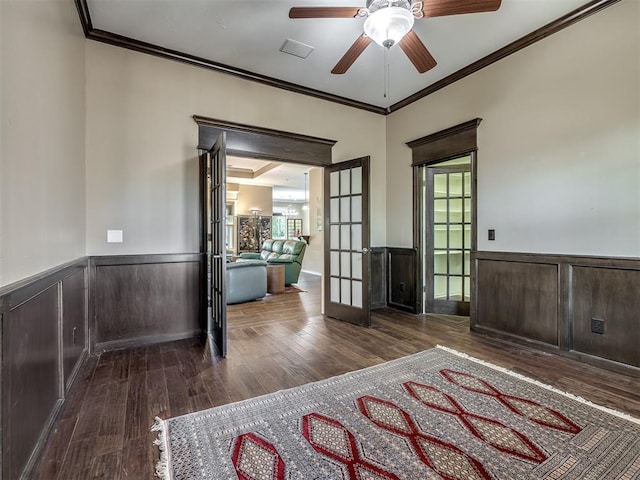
(437, 414)
(291, 289)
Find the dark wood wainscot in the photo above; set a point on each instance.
(402, 287)
(44, 343)
(581, 307)
(143, 299)
(378, 277)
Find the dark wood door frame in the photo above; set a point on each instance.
(447, 144)
(250, 141)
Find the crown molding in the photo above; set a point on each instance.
(561, 23)
(523, 42)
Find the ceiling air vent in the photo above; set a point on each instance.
(297, 49)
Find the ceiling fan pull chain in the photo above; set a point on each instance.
(387, 78)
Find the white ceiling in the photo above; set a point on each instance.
(247, 35)
(287, 179)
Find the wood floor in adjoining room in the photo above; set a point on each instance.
(279, 342)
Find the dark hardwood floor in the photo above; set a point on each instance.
(280, 342)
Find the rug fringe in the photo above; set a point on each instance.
(162, 467)
(577, 398)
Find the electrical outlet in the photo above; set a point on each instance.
(597, 326)
(492, 234)
(402, 286)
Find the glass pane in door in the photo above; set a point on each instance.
(440, 287)
(346, 285)
(345, 241)
(451, 232)
(439, 186)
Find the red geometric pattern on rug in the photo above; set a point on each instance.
(445, 459)
(490, 431)
(530, 409)
(214, 443)
(254, 458)
(332, 439)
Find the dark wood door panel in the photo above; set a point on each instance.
(519, 298)
(611, 295)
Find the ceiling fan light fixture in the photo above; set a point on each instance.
(387, 26)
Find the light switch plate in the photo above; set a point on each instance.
(114, 236)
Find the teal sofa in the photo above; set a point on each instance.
(285, 252)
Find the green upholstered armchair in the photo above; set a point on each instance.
(286, 252)
(246, 281)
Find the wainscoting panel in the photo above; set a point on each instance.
(401, 264)
(38, 357)
(378, 277)
(519, 298)
(551, 300)
(613, 296)
(143, 299)
(74, 324)
(31, 363)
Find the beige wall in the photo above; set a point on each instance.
(314, 255)
(559, 167)
(559, 145)
(42, 136)
(254, 196)
(142, 171)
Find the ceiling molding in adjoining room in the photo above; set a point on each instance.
(238, 172)
(267, 168)
(555, 26)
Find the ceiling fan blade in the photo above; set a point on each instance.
(413, 47)
(324, 12)
(352, 54)
(440, 8)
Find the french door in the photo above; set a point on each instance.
(447, 236)
(347, 241)
(214, 228)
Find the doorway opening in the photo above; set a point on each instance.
(280, 202)
(445, 213)
(345, 209)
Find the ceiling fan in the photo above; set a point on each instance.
(390, 22)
